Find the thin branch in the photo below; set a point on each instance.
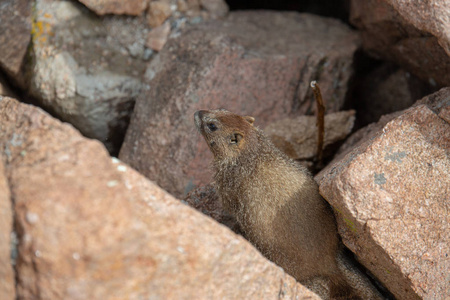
(320, 123)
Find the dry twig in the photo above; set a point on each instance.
(320, 121)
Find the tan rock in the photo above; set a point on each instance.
(92, 228)
(15, 36)
(297, 137)
(7, 282)
(391, 195)
(216, 7)
(117, 7)
(157, 38)
(401, 34)
(158, 12)
(255, 62)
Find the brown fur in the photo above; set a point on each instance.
(275, 200)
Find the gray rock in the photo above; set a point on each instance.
(84, 70)
(15, 36)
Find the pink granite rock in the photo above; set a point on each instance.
(7, 281)
(117, 7)
(392, 198)
(432, 16)
(90, 227)
(255, 62)
(412, 34)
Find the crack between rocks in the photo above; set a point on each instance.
(296, 102)
(14, 236)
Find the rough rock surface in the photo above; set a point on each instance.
(297, 137)
(257, 63)
(90, 227)
(432, 16)
(14, 35)
(7, 282)
(158, 12)
(157, 38)
(392, 197)
(84, 69)
(118, 7)
(388, 35)
(206, 200)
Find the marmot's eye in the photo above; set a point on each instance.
(212, 126)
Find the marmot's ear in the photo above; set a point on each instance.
(236, 138)
(249, 119)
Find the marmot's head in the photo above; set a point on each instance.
(226, 134)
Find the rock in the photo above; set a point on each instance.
(298, 137)
(157, 38)
(428, 16)
(84, 70)
(439, 103)
(90, 227)
(385, 90)
(216, 7)
(14, 36)
(206, 200)
(391, 195)
(258, 63)
(7, 284)
(117, 7)
(363, 135)
(158, 12)
(388, 35)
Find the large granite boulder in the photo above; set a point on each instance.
(256, 62)
(7, 282)
(392, 197)
(414, 34)
(90, 227)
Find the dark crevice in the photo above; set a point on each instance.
(337, 9)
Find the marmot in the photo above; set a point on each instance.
(276, 202)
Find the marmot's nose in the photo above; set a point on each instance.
(198, 118)
(198, 114)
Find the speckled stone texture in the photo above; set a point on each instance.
(15, 35)
(392, 198)
(7, 280)
(90, 227)
(413, 34)
(258, 63)
(118, 7)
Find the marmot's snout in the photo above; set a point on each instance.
(198, 118)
